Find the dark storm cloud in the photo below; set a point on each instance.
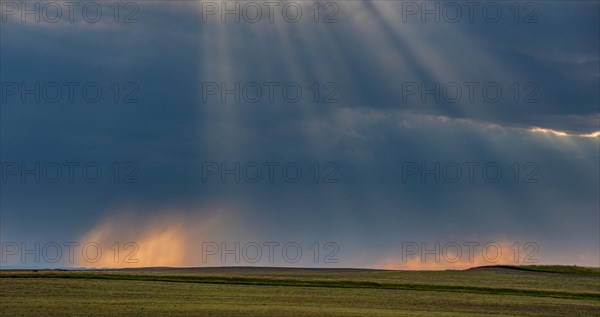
(369, 133)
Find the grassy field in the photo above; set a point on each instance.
(490, 291)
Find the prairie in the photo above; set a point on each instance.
(255, 291)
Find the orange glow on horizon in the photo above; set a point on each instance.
(167, 239)
(453, 262)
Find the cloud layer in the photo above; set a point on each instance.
(388, 152)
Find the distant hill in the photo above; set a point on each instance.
(546, 268)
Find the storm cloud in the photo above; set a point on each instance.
(367, 126)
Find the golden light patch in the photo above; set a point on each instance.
(548, 131)
(166, 239)
(562, 133)
(485, 254)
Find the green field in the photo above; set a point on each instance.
(490, 291)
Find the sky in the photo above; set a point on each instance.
(375, 134)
